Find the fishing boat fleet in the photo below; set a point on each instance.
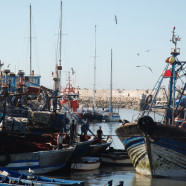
(32, 116)
(158, 148)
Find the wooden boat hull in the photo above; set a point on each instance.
(158, 154)
(98, 148)
(115, 157)
(40, 162)
(86, 164)
(81, 148)
(115, 161)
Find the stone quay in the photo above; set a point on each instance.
(121, 98)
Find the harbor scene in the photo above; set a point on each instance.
(92, 93)
(117, 173)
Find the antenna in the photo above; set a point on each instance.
(174, 40)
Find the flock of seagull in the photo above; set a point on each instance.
(144, 65)
(116, 21)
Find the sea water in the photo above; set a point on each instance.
(101, 176)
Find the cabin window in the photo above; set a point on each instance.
(26, 79)
(37, 81)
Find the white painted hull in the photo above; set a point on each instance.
(139, 159)
(111, 118)
(87, 164)
(40, 162)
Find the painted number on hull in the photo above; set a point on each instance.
(164, 161)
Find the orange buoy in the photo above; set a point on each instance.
(167, 60)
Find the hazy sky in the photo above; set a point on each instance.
(142, 25)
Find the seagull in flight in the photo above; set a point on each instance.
(145, 67)
(147, 50)
(73, 72)
(138, 54)
(120, 91)
(116, 19)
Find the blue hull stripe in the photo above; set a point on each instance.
(162, 142)
(24, 167)
(172, 145)
(23, 161)
(134, 141)
(37, 167)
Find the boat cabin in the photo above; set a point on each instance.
(13, 81)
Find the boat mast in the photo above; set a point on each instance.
(69, 80)
(171, 102)
(57, 76)
(30, 43)
(1, 64)
(94, 86)
(111, 83)
(60, 43)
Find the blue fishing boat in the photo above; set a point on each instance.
(158, 149)
(23, 152)
(8, 176)
(29, 80)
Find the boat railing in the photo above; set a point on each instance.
(136, 116)
(159, 117)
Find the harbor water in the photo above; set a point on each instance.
(101, 176)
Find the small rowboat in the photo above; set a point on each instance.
(115, 157)
(8, 176)
(86, 164)
(98, 147)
